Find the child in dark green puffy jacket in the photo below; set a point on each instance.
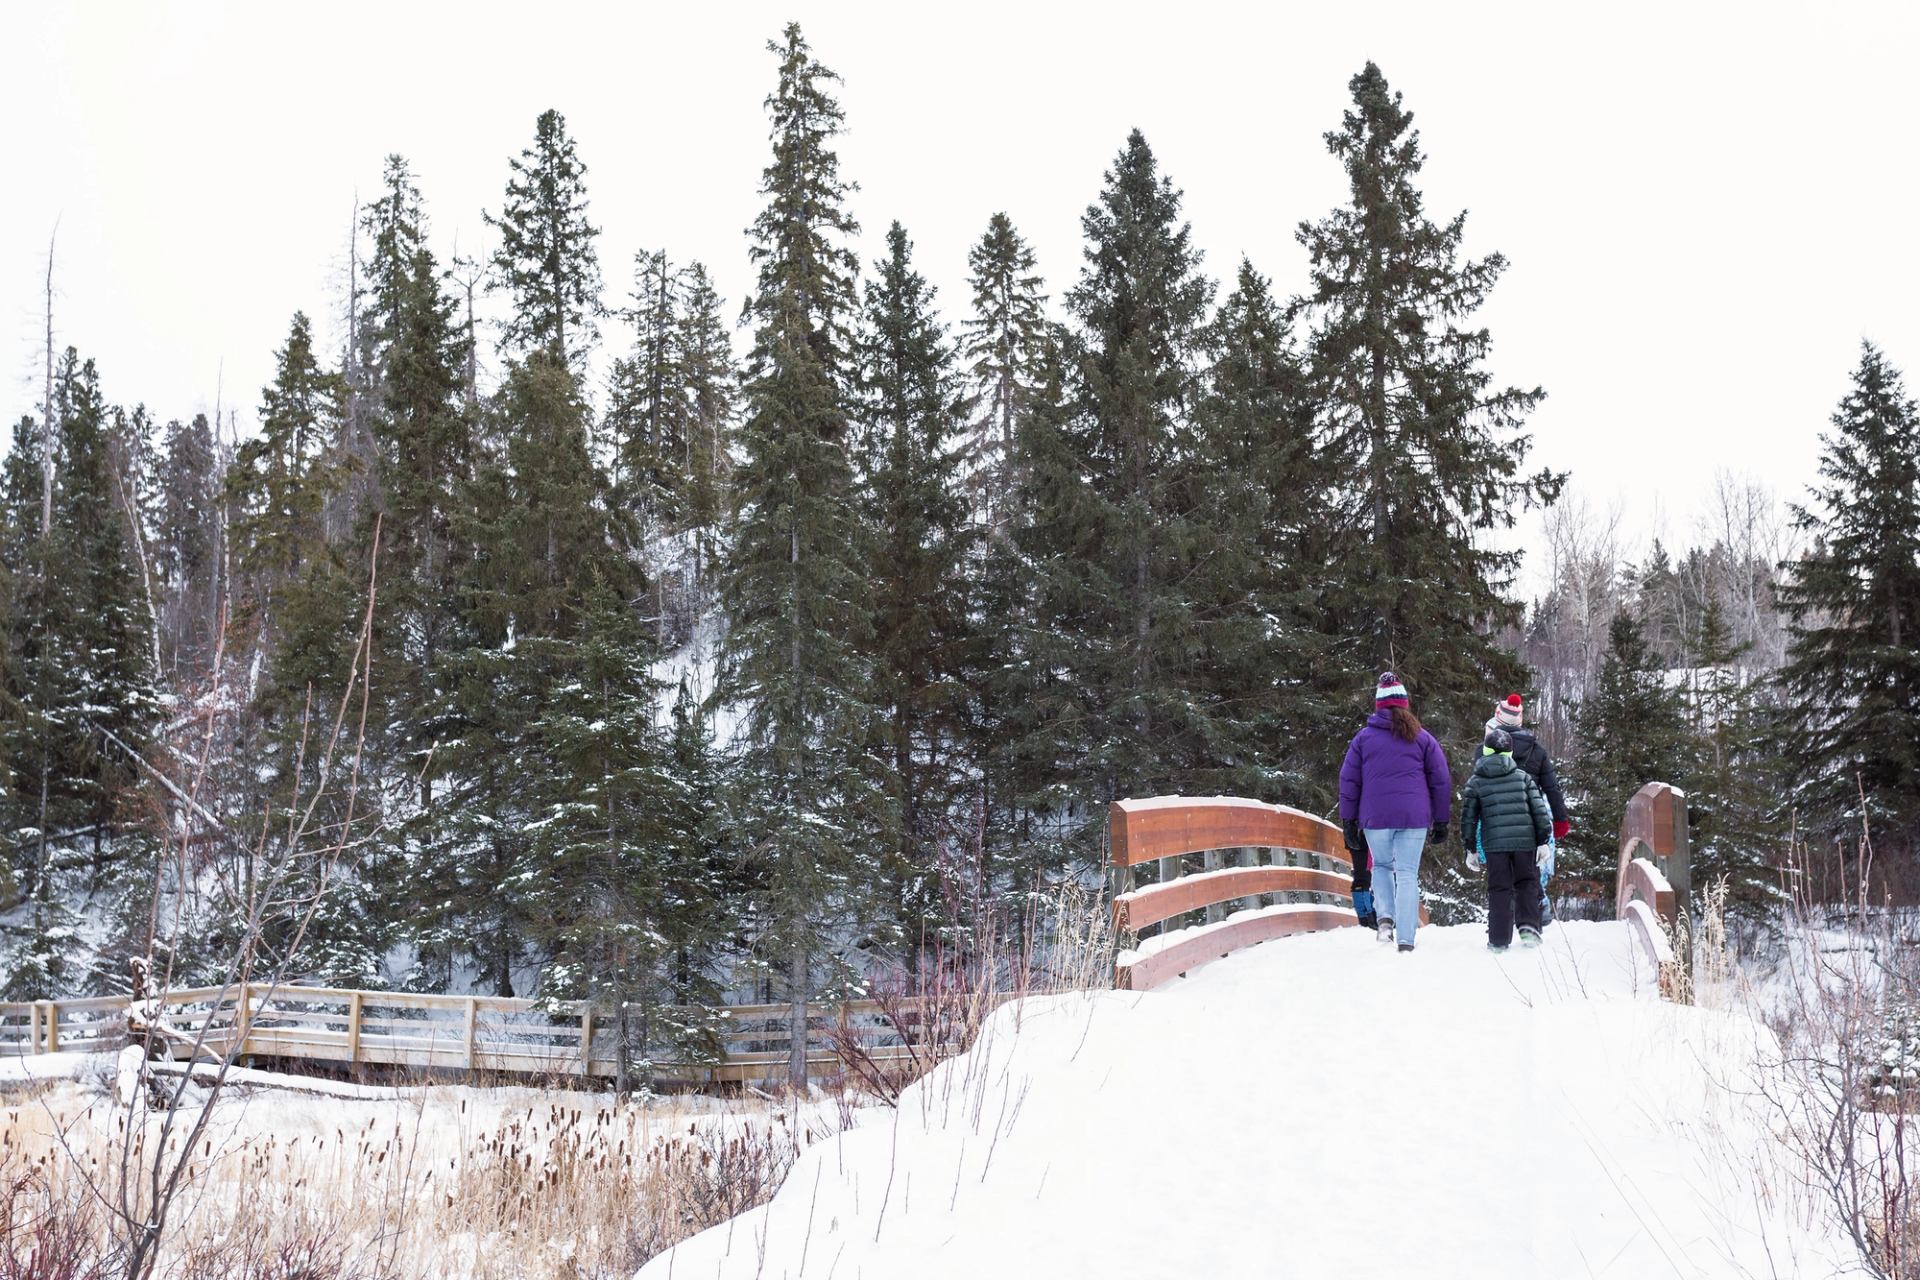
(1504, 821)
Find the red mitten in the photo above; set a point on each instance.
(1561, 828)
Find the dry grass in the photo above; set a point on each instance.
(451, 1184)
(1844, 1089)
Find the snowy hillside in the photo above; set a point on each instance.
(1314, 1107)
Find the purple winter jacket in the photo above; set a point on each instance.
(1390, 783)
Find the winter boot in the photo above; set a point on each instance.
(1405, 947)
(1529, 937)
(1499, 951)
(1386, 930)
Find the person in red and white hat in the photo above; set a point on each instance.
(1509, 714)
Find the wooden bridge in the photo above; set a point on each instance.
(1230, 873)
(466, 1033)
(1290, 873)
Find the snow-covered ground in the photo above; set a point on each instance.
(1319, 1106)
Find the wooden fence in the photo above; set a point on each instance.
(469, 1033)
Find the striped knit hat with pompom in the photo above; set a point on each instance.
(1389, 692)
(1507, 714)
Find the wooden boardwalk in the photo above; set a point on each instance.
(466, 1033)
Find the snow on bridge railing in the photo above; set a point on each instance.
(1307, 864)
(1655, 875)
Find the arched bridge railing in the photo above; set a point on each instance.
(1307, 859)
(1655, 876)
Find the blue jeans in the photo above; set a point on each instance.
(1396, 876)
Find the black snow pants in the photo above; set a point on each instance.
(1510, 875)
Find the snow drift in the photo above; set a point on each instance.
(1316, 1107)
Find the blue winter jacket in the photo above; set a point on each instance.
(1389, 783)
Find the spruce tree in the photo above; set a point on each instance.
(186, 545)
(545, 537)
(1116, 527)
(1852, 677)
(82, 683)
(710, 387)
(1261, 497)
(1031, 809)
(1432, 449)
(922, 542)
(794, 591)
(281, 480)
(1633, 730)
(1732, 806)
(1011, 353)
(424, 442)
(546, 262)
(1003, 345)
(622, 894)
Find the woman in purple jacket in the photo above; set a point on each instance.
(1395, 790)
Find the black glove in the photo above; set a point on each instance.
(1362, 872)
(1440, 832)
(1356, 842)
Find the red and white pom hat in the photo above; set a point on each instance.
(1389, 692)
(1507, 714)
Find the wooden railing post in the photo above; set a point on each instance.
(586, 1038)
(53, 1026)
(353, 1027)
(1247, 856)
(1214, 860)
(33, 1028)
(473, 1020)
(1167, 869)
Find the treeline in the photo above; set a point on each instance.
(1770, 669)
(969, 582)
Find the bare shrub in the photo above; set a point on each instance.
(45, 1235)
(1849, 1078)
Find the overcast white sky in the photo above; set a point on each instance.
(1705, 207)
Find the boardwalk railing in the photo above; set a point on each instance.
(1307, 870)
(472, 1033)
(1655, 875)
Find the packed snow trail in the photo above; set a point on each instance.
(1319, 1106)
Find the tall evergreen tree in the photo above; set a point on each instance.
(187, 541)
(1732, 805)
(1117, 533)
(546, 261)
(1852, 676)
(1431, 448)
(281, 477)
(1028, 802)
(794, 589)
(1633, 730)
(546, 541)
(1003, 344)
(1011, 353)
(647, 412)
(922, 543)
(1261, 498)
(425, 444)
(710, 385)
(83, 683)
(623, 892)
